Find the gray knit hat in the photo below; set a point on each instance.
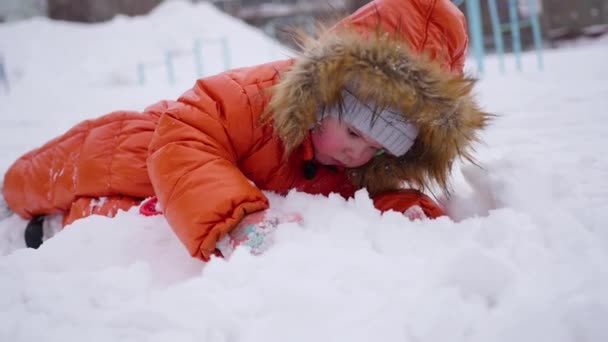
(387, 126)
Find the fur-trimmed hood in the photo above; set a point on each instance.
(388, 74)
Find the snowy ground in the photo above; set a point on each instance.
(524, 257)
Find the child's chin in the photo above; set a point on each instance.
(335, 162)
(324, 160)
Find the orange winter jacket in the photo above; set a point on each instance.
(207, 156)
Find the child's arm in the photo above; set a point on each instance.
(413, 203)
(195, 151)
(254, 232)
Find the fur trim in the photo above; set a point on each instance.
(386, 73)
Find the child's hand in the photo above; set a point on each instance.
(254, 232)
(415, 212)
(412, 203)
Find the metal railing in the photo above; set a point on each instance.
(513, 27)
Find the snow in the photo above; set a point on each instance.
(522, 258)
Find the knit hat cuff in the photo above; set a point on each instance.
(387, 127)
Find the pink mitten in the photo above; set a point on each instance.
(254, 232)
(415, 212)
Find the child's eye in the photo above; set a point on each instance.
(352, 133)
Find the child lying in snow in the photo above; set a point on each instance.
(377, 102)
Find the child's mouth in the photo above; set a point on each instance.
(337, 162)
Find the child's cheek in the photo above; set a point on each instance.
(330, 143)
(364, 159)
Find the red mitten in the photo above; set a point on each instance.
(254, 232)
(150, 207)
(413, 203)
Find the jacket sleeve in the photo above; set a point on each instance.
(193, 161)
(436, 28)
(402, 200)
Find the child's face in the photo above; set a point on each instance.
(338, 143)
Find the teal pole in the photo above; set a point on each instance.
(476, 31)
(141, 74)
(536, 31)
(497, 31)
(198, 58)
(226, 53)
(4, 74)
(515, 32)
(169, 66)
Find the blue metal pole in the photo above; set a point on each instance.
(169, 66)
(3, 74)
(141, 74)
(515, 32)
(198, 58)
(476, 31)
(497, 31)
(536, 31)
(226, 53)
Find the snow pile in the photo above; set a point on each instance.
(40, 50)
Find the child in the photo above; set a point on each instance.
(377, 102)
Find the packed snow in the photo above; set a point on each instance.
(523, 256)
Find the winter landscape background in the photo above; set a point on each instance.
(523, 256)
